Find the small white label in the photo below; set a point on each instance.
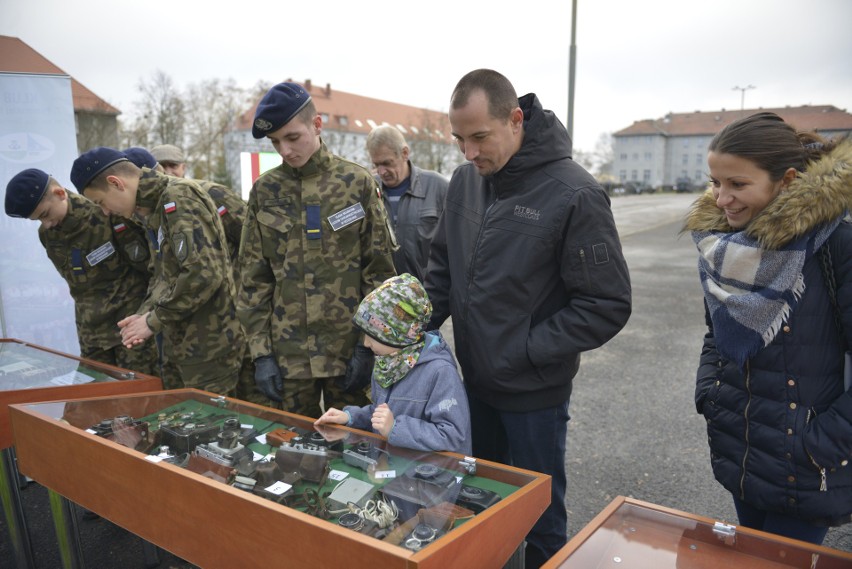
(91, 431)
(337, 475)
(278, 488)
(153, 458)
(261, 438)
(385, 474)
(346, 216)
(101, 253)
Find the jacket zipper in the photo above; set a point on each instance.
(745, 416)
(823, 482)
(473, 257)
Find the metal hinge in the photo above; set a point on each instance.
(725, 532)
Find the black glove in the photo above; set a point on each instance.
(267, 377)
(359, 370)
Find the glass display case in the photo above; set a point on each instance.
(225, 483)
(634, 534)
(30, 373)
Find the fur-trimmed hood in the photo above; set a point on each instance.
(820, 194)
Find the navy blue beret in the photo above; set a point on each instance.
(277, 107)
(24, 191)
(140, 157)
(92, 163)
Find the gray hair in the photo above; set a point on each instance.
(388, 137)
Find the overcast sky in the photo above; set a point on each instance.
(635, 59)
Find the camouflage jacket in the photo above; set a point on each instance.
(302, 279)
(232, 212)
(192, 293)
(105, 262)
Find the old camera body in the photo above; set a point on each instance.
(422, 486)
(476, 499)
(184, 436)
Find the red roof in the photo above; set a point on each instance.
(358, 109)
(17, 57)
(807, 118)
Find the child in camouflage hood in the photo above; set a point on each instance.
(418, 398)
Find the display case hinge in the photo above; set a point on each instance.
(725, 532)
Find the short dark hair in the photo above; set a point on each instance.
(502, 98)
(306, 114)
(770, 143)
(123, 168)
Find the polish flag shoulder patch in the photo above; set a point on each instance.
(222, 210)
(119, 228)
(169, 207)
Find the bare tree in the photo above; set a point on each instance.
(430, 148)
(160, 112)
(211, 107)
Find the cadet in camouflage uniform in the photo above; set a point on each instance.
(231, 207)
(104, 260)
(232, 211)
(192, 292)
(315, 242)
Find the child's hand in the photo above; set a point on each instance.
(382, 420)
(333, 416)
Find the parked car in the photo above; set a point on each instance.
(684, 185)
(639, 188)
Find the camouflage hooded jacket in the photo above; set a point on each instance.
(191, 299)
(315, 242)
(104, 260)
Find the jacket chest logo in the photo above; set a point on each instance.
(527, 213)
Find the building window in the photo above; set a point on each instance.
(685, 159)
(342, 121)
(648, 156)
(622, 175)
(646, 176)
(699, 175)
(699, 158)
(636, 156)
(633, 175)
(623, 156)
(324, 118)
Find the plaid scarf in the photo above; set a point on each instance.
(750, 291)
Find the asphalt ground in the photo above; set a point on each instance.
(633, 430)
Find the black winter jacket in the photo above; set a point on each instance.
(529, 265)
(780, 431)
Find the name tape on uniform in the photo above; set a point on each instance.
(346, 216)
(100, 253)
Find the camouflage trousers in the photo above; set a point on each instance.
(141, 359)
(311, 397)
(217, 376)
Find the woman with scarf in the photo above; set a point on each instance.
(418, 399)
(775, 260)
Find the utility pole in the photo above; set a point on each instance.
(742, 90)
(572, 61)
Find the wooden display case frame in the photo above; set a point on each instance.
(215, 525)
(630, 534)
(127, 382)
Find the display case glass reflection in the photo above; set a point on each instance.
(350, 478)
(26, 367)
(632, 534)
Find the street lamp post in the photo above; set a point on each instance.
(742, 90)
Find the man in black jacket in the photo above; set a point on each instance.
(527, 261)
